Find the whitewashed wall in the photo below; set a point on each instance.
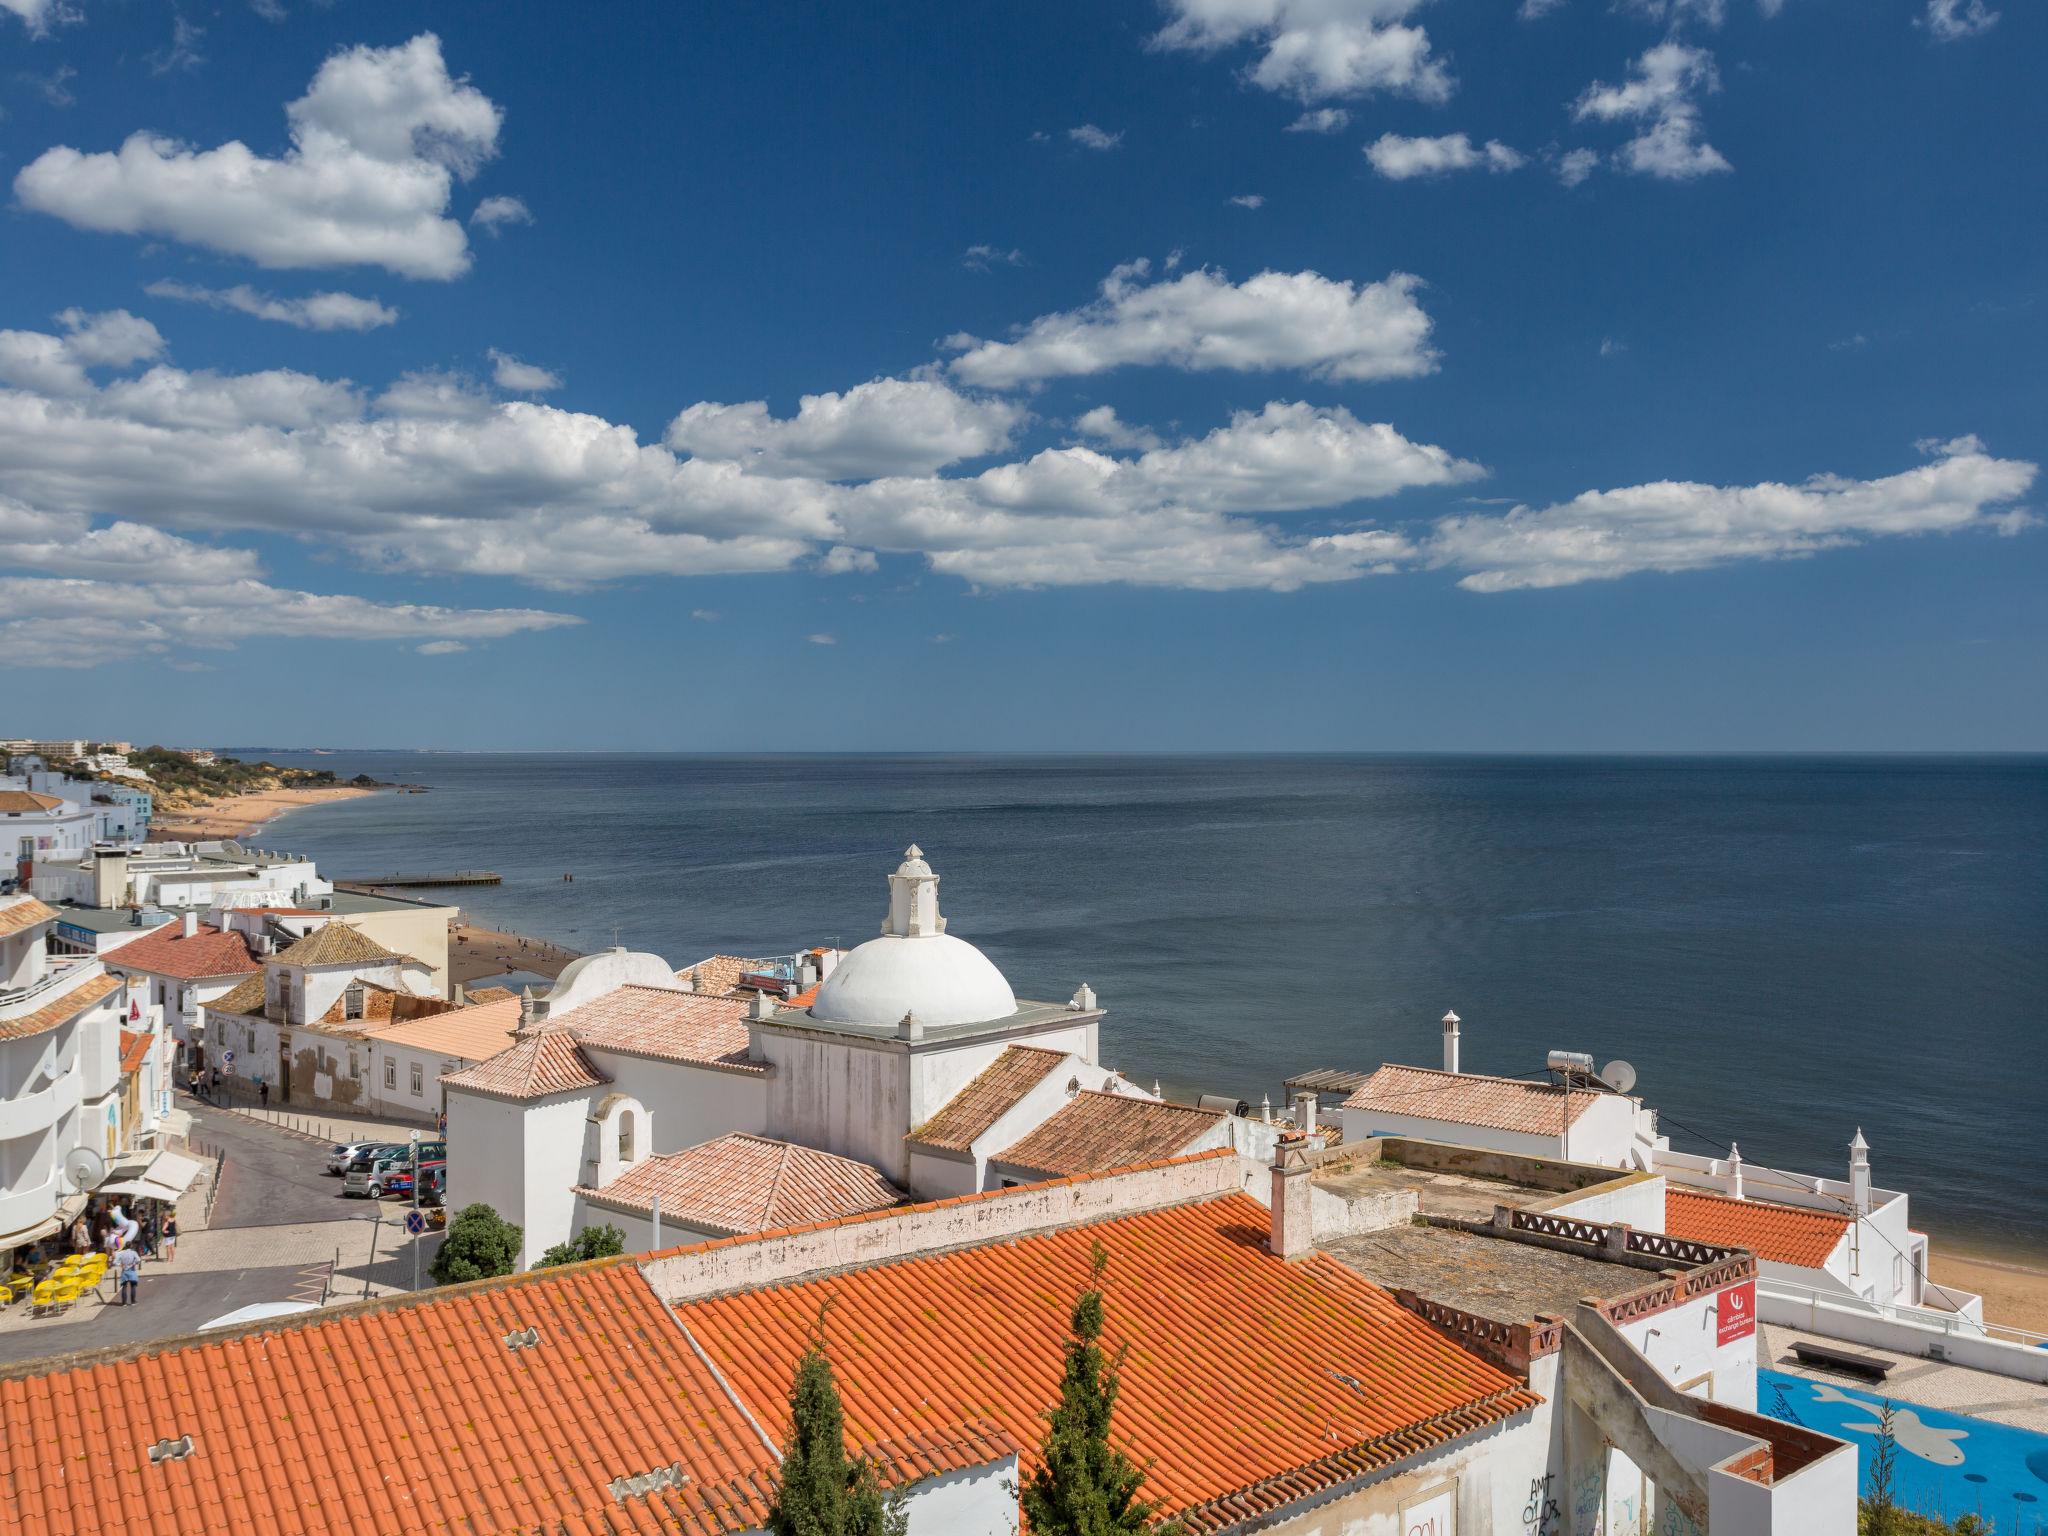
(689, 1104)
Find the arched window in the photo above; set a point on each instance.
(625, 1136)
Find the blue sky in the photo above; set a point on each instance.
(1239, 374)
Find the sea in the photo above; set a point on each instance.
(1786, 950)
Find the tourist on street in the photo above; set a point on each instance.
(128, 1269)
(263, 1091)
(81, 1235)
(167, 1243)
(215, 1084)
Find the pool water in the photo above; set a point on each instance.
(1947, 1464)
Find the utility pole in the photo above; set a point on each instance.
(413, 1225)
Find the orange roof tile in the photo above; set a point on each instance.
(61, 1009)
(396, 1421)
(23, 912)
(475, 1033)
(244, 997)
(1471, 1098)
(14, 802)
(743, 1183)
(134, 1050)
(1782, 1234)
(1100, 1131)
(1325, 1377)
(547, 1061)
(165, 951)
(669, 1026)
(336, 943)
(489, 994)
(987, 1097)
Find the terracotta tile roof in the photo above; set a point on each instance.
(547, 1061)
(717, 975)
(24, 912)
(244, 997)
(335, 943)
(983, 1101)
(134, 1051)
(14, 802)
(475, 1033)
(1783, 1234)
(488, 994)
(61, 1009)
(1324, 1376)
(1471, 1098)
(669, 1026)
(742, 1183)
(167, 952)
(397, 1421)
(1099, 1131)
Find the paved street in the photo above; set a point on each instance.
(281, 1230)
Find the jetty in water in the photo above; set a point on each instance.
(453, 877)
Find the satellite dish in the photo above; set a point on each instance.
(1619, 1076)
(84, 1168)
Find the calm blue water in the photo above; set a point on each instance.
(1786, 949)
(1945, 1464)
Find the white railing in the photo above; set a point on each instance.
(1949, 1336)
(60, 972)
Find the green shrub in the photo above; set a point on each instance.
(590, 1243)
(480, 1243)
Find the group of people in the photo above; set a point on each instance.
(127, 1238)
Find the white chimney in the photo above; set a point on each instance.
(1451, 1042)
(1307, 1101)
(1735, 1170)
(1859, 1173)
(190, 927)
(1293, 1213)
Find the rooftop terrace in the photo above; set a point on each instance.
(1506, 1281)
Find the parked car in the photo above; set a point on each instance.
(397, 1180)
(339, 1157)
(366, 1172)
(435, 1191)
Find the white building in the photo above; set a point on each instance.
(181, 964)
(912, 1057)
(39, 828)
(60, 1068)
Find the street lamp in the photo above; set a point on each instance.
(413, 1226)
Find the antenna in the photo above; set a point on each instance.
(84, 1168)
(1619, 1076)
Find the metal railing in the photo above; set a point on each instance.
(1933, 1318)
(60, 971)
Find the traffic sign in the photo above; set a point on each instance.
(227, 1058)
(415, 1222)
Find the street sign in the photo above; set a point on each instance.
(227, 1058)
(415, 1222)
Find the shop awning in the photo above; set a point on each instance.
(163, 1176)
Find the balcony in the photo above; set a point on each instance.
(30, 1113)
(60, 974)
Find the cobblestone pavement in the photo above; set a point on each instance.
(1929, 1383)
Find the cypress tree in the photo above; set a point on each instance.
(820, 1490)
(1084, 1486)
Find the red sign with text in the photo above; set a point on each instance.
(1737, 1316)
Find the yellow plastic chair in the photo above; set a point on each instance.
(44, 1298)
(67, 1293)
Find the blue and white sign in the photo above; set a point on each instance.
(415, 1222)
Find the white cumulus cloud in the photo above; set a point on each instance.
(1088, 136)
(377, 143)
(1320, 120)
(1661, 91)
(882, 427)
(1328, 327)
(1682, 526)
(509, 372)
(1950, 20)
(314, 312)
(1315, 49)
(494, 213)
(1399, 159)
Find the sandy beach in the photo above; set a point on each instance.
(2014, 1294)
(238, 815)
(476, 953)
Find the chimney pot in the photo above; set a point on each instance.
(1293, 1212)
(191, 924)
(1307, 1101)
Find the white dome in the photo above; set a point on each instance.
(941, 979)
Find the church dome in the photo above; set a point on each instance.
(914, 967)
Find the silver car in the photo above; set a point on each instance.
(367, 1178)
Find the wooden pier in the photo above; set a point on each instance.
(455, 877)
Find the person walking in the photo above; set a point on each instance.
(214, 1084)
(128, 1270)
(263, 1091)
(167, 1242)
(81, 1235)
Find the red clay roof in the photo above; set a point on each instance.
(15, 802)
(1783, 1234)
(1470, 1098)
(987, 1097)
(396, 1420)
(742, 1183)
(1250, 1381)
(61, 1009)
(134, 1051)
(24, 912)
(166, 951)
(1099, 1131)
(547, 1061)
(669, 1026)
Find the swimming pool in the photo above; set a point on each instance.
(1948, 1464)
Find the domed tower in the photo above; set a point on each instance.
(915, 970)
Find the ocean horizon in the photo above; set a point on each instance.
(1787, 947)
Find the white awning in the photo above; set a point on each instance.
(165, 1176)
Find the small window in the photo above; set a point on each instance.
(390, 1074)
(352, 1001)
(355, 1065)
(625, 1136)
(417, 1074)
